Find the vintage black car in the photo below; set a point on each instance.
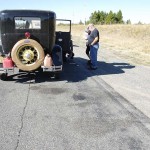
(27, 36)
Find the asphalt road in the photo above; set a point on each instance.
(84, 110)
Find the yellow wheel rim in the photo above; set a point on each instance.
(27, 54)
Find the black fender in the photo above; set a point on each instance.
(71, 46)
(57, 55)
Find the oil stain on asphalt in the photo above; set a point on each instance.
(46, 90)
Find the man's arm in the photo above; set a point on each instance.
(94, 41)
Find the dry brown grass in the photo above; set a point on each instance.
(129, 41)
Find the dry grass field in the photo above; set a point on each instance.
(131, 42)
(128, 41)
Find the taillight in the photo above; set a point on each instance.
(27, 35)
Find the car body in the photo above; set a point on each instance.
(28, 36)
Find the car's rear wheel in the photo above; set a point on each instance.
(27, 54)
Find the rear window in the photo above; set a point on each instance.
(27, 23)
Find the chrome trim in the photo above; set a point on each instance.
(7, 70)
(52, 68)
(60, 40)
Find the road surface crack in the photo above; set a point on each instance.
(22, 118)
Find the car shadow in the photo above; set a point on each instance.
(74, 70)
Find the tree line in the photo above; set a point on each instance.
(101, 17)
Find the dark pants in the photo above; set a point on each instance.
(88, 50)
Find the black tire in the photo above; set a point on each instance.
(57, 75)
(4, 76)
(27, 54)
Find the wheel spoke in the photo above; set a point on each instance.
(27, 54)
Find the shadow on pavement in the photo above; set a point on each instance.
(77, 70)
(74, 70)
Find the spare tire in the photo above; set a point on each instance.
(27, 54)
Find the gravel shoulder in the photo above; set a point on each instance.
(133, 84)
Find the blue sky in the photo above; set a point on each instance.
(135, 10)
